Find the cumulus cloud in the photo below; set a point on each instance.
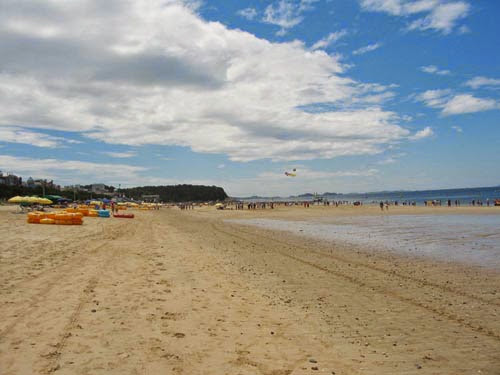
(432, 69)
(329, 39)
(368, 48)
(458, 129)
(248, 13)
(466, 103)
(154, 72)
(13, 134)
(421, 134)
(437, 15)
(455, 104)
(478, 82)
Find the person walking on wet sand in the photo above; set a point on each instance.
(382, 205)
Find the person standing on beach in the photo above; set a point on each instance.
(382, 205)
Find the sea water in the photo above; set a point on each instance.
(464, 196)
(471, 239)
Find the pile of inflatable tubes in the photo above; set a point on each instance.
(83, 210)
(125, 216)
(58, 218)
(93, 213)
(103, 213)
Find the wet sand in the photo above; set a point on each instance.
(468, 239)
(185, 292)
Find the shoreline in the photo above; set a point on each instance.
(467, 239)
(183, 292)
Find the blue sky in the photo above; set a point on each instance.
(360, 95)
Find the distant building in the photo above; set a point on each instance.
(44, 183)
(151, 198)
(76, 187)
(10, 179)
(98, 188)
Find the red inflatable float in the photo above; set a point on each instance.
(125, 216)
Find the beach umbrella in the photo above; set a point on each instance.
(44, 201)
(16, 199)
(52, 197)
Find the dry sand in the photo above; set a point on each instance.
(182, 292)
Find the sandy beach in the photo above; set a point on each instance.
(187, 292)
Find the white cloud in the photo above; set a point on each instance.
(438, 15)
(464, 29)
(432, 69)
(286, 13)
(478, 82)
(388, 160)
(153, 72)
(275, 183)
(127, 154)
(368, 48)
(454, 104)
(466, 103)
(221, 166)
(435, 98)
(458, 129)
(248, 13)
(421, 134)
(70, 171)
(391, 159)
(13, 134)
(315, 174)
(329, 39)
